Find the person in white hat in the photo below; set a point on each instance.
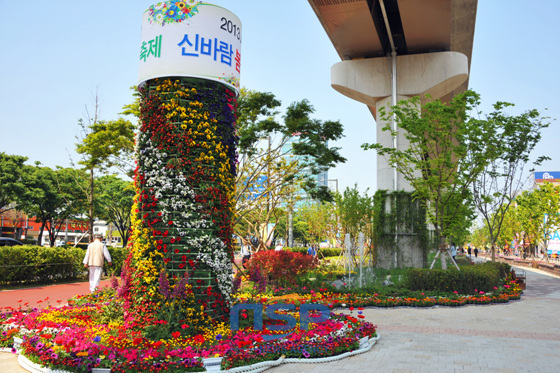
(94, 259)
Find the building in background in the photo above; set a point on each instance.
(322, 179)
(18, 225)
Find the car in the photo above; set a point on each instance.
(7, 241)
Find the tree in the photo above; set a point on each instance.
(502, 179)
(319, 220)
(538, 212)
(511, 228)
(266, 177)
(52, 197)
(354, 213)
(448, 151)
(12, 168)
(102, 145)
(479, 237)
(116, 199)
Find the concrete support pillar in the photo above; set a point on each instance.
(370, 81)
(385, 172)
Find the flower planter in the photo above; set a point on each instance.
(212, 364)
(101, 370)
(364, 342)
(17, 343)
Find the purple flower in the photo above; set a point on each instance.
(114, 283)
(54, 356)
(97, 339)
(164, 285)
(4, 333)
(14, 350)
(39, 346)
(306, 354)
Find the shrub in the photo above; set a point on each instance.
(281, 267)
(37, 264)
(43, 265)
(335, 251)
(481, 277)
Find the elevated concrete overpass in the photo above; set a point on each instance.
(357, 28)
(391, 50)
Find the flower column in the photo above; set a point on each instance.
(186, 152)
(185, 180)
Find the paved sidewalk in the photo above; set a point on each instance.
(43, 296)
(521, 336)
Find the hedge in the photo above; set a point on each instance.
(20, 265)
(481, 277)
(335, 251)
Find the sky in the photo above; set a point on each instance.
(55, 56)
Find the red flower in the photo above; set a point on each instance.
(176, 334)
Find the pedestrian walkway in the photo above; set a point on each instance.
(521, 336)
(44, 296)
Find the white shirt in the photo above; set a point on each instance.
(245, 250)
(106, 254)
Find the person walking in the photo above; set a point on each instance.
(311, 251)
(475, 252)
(245, 252)
(96, 254)
(453, 251)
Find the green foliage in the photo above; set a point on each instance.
(39, 265)
(355, 213)
(481, 277)
(533, 206)
(45, 265)
(447, 151)
(12, 168)
(503, 178)
(51, 196)
(105, 143)
(326, 252)
(116, 199)
(118, 256)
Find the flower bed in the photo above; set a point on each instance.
(74, 338)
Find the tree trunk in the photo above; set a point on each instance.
(40, 238)
(443, 253)
(493, 250)
(91, 206)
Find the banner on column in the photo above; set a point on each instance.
(190, 39)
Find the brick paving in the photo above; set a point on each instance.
(521, 336)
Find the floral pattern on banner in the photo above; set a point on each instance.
(185, 187)
(167, 12)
